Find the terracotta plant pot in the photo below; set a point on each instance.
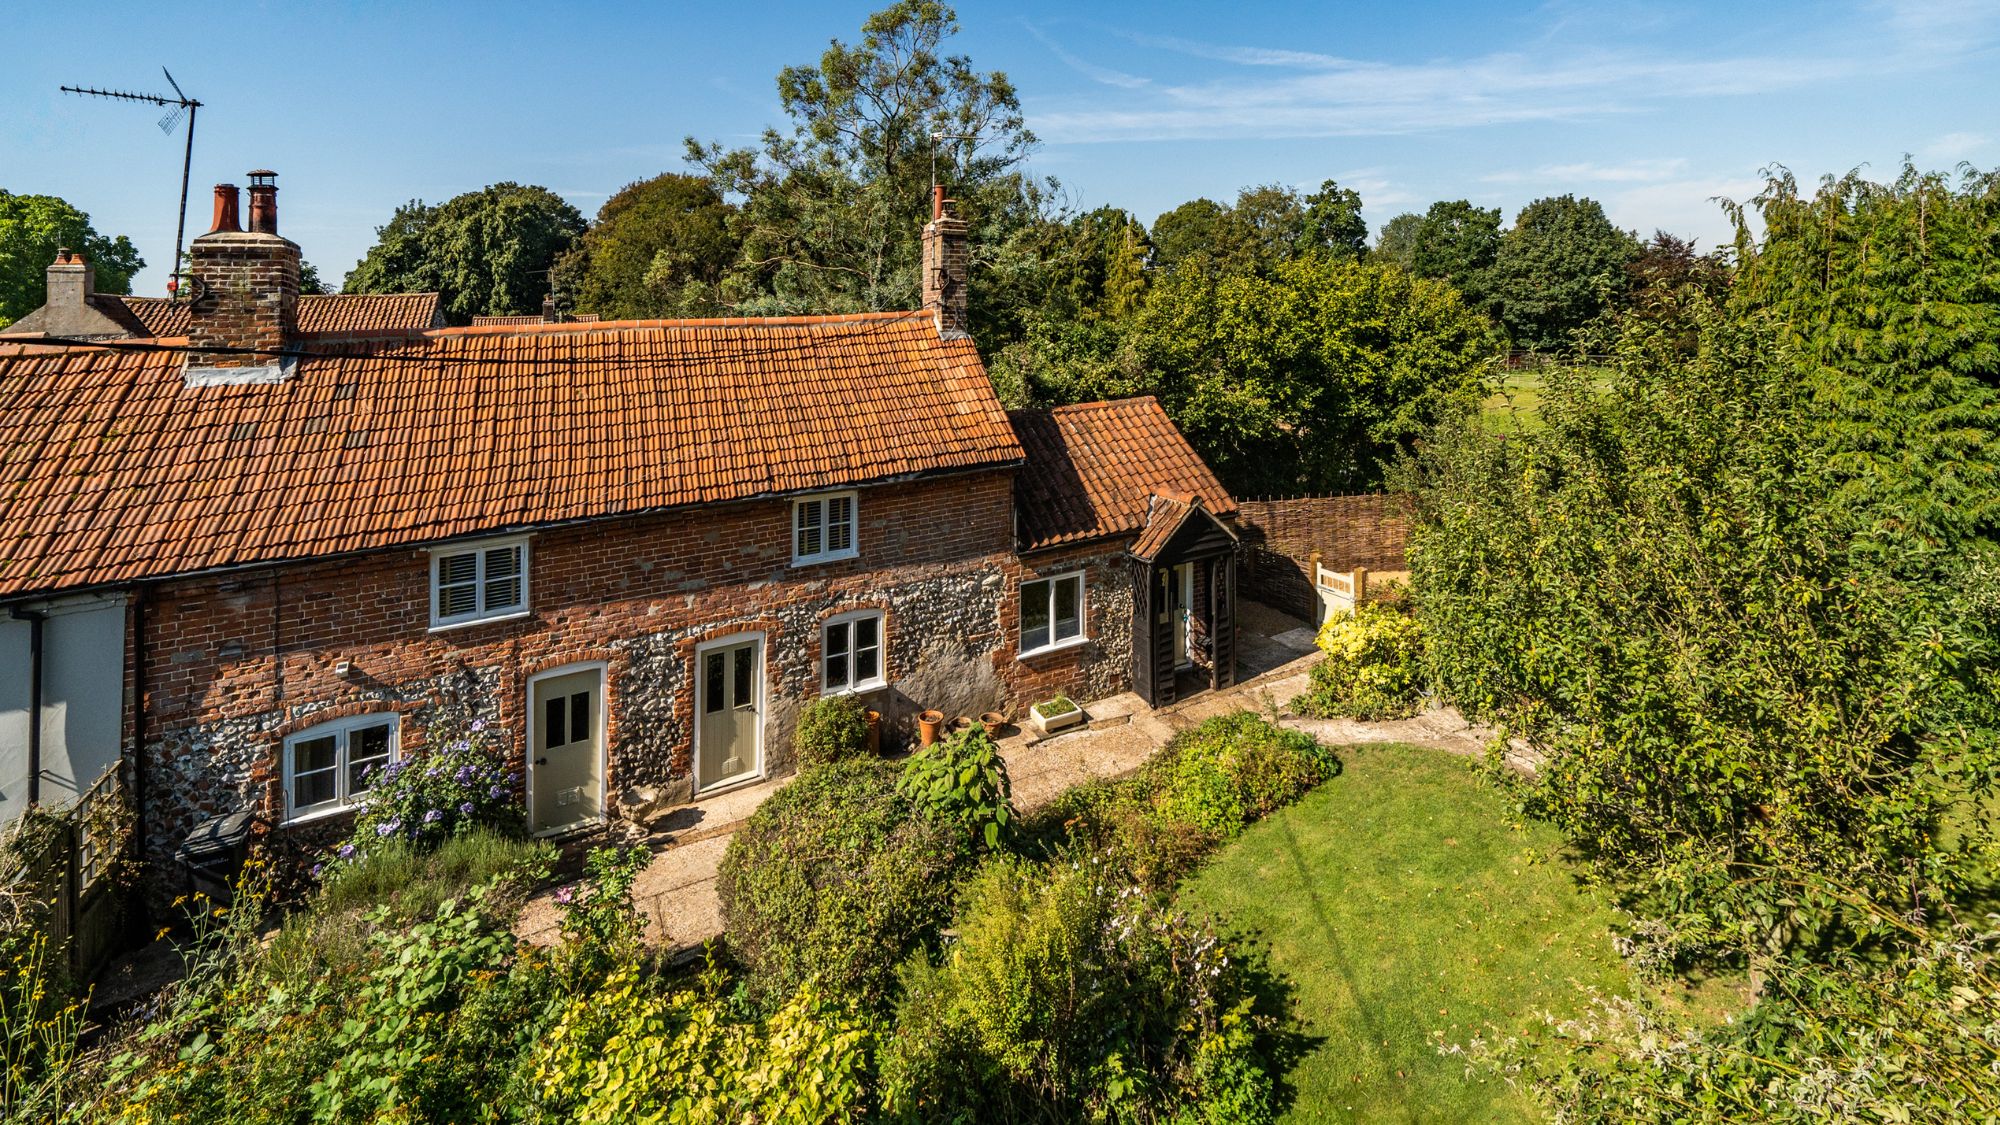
(993, 721)
(874, 731)
(960, 725)
(927, 726)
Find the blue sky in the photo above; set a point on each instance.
(1652, 108)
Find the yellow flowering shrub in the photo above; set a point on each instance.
(1373, 667)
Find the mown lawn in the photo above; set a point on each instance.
(1515, 404)
(1407, 910)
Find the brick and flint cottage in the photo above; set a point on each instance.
(252, 543)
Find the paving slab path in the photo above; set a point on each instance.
(677, 889)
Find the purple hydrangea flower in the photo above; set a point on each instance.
(385, 828)
(478, 725)
(565, 896)
(347, 851)
(465, 774)
(494, 792)
(317, 868)
(465, 808)
(433, 816)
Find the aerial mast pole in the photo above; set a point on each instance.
(178, 104)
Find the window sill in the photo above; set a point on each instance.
(1059, 646)
(815, 560)
(319, 812)
(448, 626)
(862, 688)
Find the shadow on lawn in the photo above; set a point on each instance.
(1332, 946)
(1275, 995)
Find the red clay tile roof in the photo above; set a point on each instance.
(1092, 468)
(111, 470)
(320, 314)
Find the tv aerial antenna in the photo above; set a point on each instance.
(177, 106)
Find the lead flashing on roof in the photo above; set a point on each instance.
(194, 375)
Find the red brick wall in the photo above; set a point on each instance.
(1280, 536)
(234, 663)
(1099, 667)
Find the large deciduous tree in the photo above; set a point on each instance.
(1268, 226)
(1556, 270)
(659, 248)
(32, 229)
(1306, 380)
(1458, 242)
(487, 253)
(831, 208)
(1668, 589)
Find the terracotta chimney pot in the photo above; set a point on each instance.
(225, 210)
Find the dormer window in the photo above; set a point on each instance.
(823, 528)
(479, 582)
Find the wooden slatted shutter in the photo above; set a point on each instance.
(1142, 633)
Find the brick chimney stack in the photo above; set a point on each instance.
(72, 279)
(947, 264)
(248, 292)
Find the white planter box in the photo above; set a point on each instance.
(1049, 724)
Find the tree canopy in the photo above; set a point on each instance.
(659, 248)
(831, 208)
(1666, 589)
(486, 253)
(32, 229)
(1308, 379)
(1268, 226)
(1556, 269)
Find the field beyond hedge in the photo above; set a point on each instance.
(1407, 909)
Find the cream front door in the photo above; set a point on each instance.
(729, 741)
(566, 771)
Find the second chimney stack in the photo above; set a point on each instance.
(248, 304)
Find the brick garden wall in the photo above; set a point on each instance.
(1280, 536)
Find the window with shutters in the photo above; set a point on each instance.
(824, 528)
(851, 653)
(479, 582)
(328, 768)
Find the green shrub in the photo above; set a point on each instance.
(635, 1052)
(962, 778)
(836, 876)
(1909, 1031)
(1201, 789)
(1069, 996)
(457, 783)
(601, 926)
(1373, 667)
(831, 728)
(417, 1023)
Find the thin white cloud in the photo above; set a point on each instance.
(1689, 207)
(1103, 75)
(1954, 147)
(1283, 93)
(1242, 56)
(1630, 171)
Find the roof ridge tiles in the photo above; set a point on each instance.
(586, 327)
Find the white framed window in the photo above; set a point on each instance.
(1052, 612)
(329, 767)
(823, 528)
(479, 582)
(851, 652)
